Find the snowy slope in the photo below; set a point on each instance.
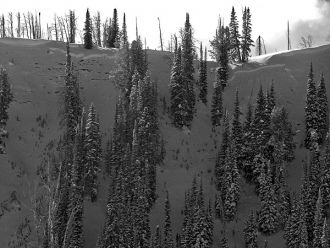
(34, 68)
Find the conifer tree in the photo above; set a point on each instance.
(267, 220)
(260, 128)
(223, 65)
(176, 88)
(322, 110)
(114, 36)
(88, 42)
(158, 238)
(246, 40)
(168, 238)
(237, 131)
(93, 148)
(216, 108)
(235, 53)
(325, 235)
(311, 108)
(250, 232)
(318, 222)
(325, 178)
(224, 239)
(188, 71)
(203, 76)
(308, 203)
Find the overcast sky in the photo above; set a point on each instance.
(269, 18)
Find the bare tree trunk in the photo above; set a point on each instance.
(55, 26)
(105, 32)
(39, 27)
(26, 26)
(97, 31)
(18, 25)
(10, 21)
(288, 34)
(160, 35)
(61, 28)
(29, 20)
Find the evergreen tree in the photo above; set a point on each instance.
(311, 108)
(224, 60)
(93, 148)
(318, 222)
(246, 40)
(267, 220)
(216, 108)
(188, 71)
(88, 42)
(325, 174)
(168, 238)
(325, 235)
(250, 232)
(224, 239)
(158, 238)
(237, 131)
(61, 216)
(176, 88)
(203, 76)
(322, 110)
(260, 128)
(114, 36)
(235, 53)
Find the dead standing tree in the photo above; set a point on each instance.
(306, 43)
(160, 35)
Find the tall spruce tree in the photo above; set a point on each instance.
(235, 54)
(88, 38)
(250, 232)
(318, 222)
(267, 219)
(176, 89)
(322, 110)
(216, 107)
(203, 76)
(114, 35)
(260, 127)
(246, 39)
(311, 108)
(188, 71)
(93, 155)
(168, 237)
(237, 131)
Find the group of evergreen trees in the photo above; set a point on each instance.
(111, 32)
(307, 223)
(316, 110)
(261, 147)
(79, 163)
(229, 43)
(197, 229)
(182, 80)
(133, 152)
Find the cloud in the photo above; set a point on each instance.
(318, 28)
